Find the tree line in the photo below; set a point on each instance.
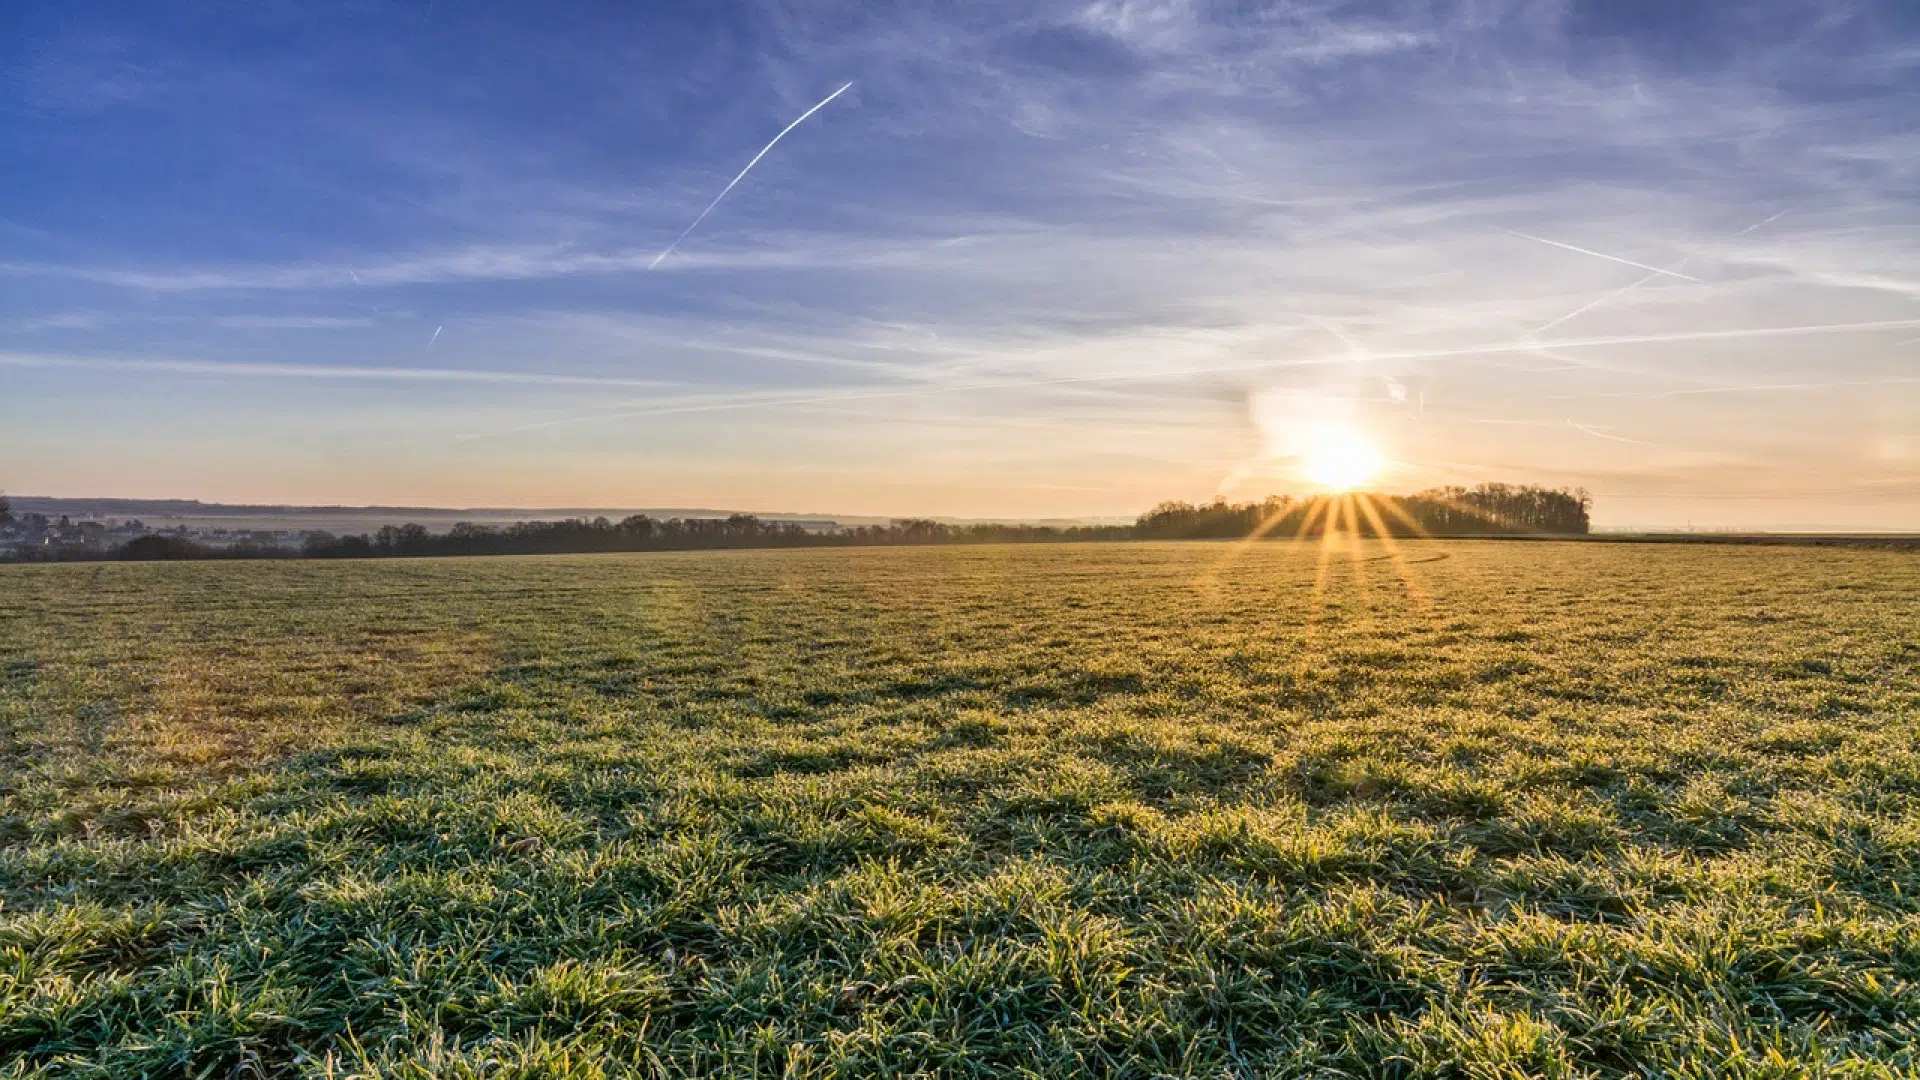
(643, 533)
(1486, 510)
(577, 536)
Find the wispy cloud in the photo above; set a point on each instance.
(98, 320)
(1136, 214)
(86, 73)
(328, 372)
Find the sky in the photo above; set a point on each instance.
(1038, 260)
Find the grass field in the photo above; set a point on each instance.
(1130, 810)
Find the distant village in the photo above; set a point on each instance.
(24, 533)
(52, 530)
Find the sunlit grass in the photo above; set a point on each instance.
(1511, 809)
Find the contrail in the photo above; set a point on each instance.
(742, 174)
(1591, 304)
(1600, 434)
(1675, 338)
(1763, 388)
(1752, 388)
(435, 337)
(1768, 220)
(1602, 255)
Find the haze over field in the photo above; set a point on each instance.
(1036, 261)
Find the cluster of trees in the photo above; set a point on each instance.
(1504, 509)
(1487, 510)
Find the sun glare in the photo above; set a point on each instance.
(1341, 459)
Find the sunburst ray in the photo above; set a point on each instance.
(1394, 554)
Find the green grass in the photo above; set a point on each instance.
(1130, 810)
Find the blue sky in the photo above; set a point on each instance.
(1039, 260)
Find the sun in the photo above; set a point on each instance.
(1340, 459)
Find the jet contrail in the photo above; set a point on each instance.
(1600, 434)
(1768, 220)
(1591, 304)
(1601, 255)
(1594, 303)
(743, 172)
(434, 338)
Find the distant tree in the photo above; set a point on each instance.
(409, 539)
(6, 510)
